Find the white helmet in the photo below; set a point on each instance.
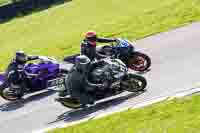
(82, 62)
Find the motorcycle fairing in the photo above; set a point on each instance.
(51, 68)
(2, 78)
(71, 59)
(124, 44)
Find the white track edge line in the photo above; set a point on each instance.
(177, 95)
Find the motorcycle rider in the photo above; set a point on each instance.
(15, 77)
(77, 81)
(88, 45)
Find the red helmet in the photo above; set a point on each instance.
(91, 37)
(90, 34)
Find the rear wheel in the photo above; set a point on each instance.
(5, 92)
(133, 83)
(70, 102)
(139, 62)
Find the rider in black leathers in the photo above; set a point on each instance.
(88, 45)
(77, 81)
(14, 73)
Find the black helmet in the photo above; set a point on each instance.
(20, 57)
(82, 62)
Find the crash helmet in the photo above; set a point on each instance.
(82, 62)
(20, 57)
(91, 37)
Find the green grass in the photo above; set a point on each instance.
(176, 116)
(4, 2)
(58, 31)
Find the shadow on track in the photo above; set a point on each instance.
(11, 106)
(78, 114)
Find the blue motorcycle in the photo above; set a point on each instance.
(125, 51)
(47, 73)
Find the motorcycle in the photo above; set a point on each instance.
(134, 60)
(106, 80)
(47, 73)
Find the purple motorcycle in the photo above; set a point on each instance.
(46, 74)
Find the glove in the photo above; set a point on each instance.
(118, 40)
(43, 58)
(104, 85)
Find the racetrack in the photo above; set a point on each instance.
(175, 67)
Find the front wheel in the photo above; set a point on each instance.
(139, 62)
(133, 83)
(6, 94)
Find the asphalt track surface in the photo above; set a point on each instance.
(175, 67)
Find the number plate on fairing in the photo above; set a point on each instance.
(56, 82)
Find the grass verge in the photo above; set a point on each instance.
(2, 2)
(176, 116)
(58, 31)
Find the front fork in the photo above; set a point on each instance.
(63, 92)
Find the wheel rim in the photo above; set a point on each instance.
(6, 95)
(133, 85)
(138, 63)
(137, 84)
